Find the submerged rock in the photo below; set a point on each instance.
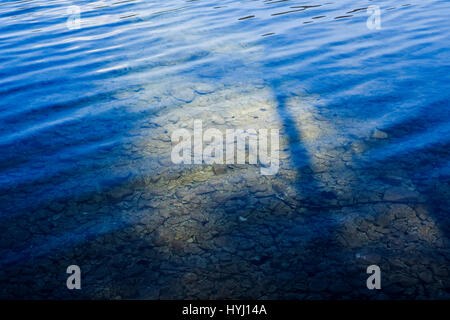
(399, 194)
(219, 170)
(186, 95)
(203, 88)
(378, 134)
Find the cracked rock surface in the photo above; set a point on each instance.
(141, 227)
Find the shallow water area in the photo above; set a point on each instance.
(86, 177)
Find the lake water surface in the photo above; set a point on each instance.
(91, 91)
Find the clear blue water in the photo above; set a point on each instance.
(87, 110)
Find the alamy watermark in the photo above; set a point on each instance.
(374, 281)
(74, 280)
(374, 20)
(236, 147)
(74, 19)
